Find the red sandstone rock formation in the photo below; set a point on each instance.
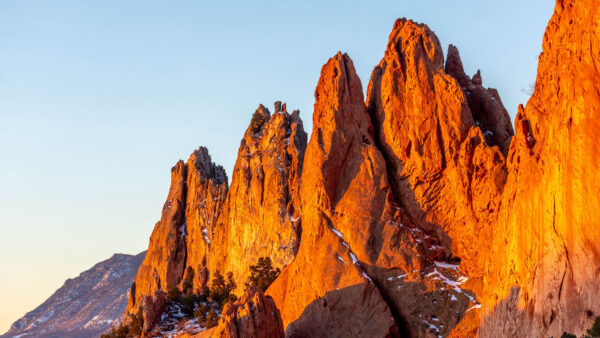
(253, 316)
(198, 188)
(205, 227)
(260, 217)
(545, 263)
(360, 260)
(412, 211)
(442, 169)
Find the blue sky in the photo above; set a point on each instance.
(98, 99)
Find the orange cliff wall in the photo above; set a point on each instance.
(544, 269)
(442, 169)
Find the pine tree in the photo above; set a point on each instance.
(262, 274)
(594, 332)
(218, 288)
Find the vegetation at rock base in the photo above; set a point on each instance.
(593, 332)
(134, 329)
(262, 274)
(220, 289)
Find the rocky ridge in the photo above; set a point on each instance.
(85, 306)
(418, 212)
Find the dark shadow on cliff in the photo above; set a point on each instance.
(346, 312)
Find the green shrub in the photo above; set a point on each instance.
(137, 323)
(257, 122)
(262, 274)
(186, 286)
(188, 303)
(200, 313)
(173, 293)
(220, 289)
(595, 330)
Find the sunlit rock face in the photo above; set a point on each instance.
(325, 290)
(420, 212)
(443, 170)
(207, 227)
(544, 268)
(198, 189)
(261, 216)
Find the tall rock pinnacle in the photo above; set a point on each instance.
(341, 170)
(445, 175)
(198, 188)
(260, 217)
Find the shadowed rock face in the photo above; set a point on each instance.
(547, 240)
(85, 306)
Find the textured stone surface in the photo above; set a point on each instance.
(444, 174)
(545, 263)
(341, 190)
(260, 217)
(198, 188)
(418, 213)
(253, 316)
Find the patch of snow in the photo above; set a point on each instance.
(337, 233)
(453, 298)
(205, 235)
(354, 260)
(445, 265)
(341, 259)
(476, 306)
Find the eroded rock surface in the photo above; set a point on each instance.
(261, 216)
(545, 263)
(198, 188)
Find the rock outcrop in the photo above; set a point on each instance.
(260, 217)
(444, 173)
(253, 316)
(341, 171)
(198, 188)
(545, 263)
(85, 306)
(419, 212)
(206, 227)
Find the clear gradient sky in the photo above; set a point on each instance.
(99, 98)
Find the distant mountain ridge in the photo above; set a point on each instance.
(85, 306)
